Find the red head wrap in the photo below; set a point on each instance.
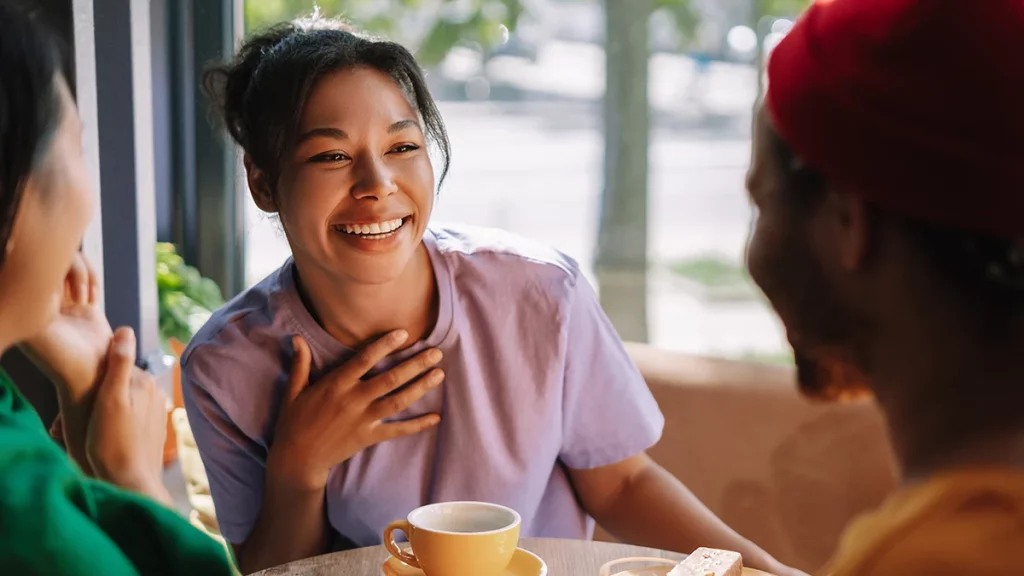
(916, 104)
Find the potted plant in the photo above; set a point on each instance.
(187, 299)
(186, 302)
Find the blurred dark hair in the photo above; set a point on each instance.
(31, 61)
(261, 93)
(987, 271)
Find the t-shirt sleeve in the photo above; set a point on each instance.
(235, 463)
(609, 413)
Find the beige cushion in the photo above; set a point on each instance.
(786, 473)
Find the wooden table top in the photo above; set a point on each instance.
(563, 557)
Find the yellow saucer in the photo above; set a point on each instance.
(524, 563)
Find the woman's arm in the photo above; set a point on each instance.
(292, 523)
(641, 503)
(320, 426)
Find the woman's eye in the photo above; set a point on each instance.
(404, 148)
(330, 157)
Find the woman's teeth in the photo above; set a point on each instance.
(375, 230)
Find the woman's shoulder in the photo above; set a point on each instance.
(237, 333)
(502, 256)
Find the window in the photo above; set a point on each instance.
(523, 106)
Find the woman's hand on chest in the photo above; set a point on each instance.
(323, 424)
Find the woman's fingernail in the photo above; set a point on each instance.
(434, 356)
(124, 340)
(399, 336)
(436, 377)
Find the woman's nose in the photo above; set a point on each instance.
(375, 180)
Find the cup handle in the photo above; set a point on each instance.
(392, 546)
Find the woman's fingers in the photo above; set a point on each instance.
(346, 376)
(392, 404)
(117, 381)
(78, 279)
(393, 430)
(57, 429)
(393, 379)
(298, 378)
(93, 296)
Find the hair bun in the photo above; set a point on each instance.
(227, 84)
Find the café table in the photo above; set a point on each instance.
(563, 557)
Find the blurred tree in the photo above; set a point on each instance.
(430, 28)
(621, 259)
(763, 16)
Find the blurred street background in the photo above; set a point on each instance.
(523, 95)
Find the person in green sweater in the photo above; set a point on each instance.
(104, 510)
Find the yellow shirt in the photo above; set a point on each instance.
(961, 523)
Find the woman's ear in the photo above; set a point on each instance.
(259, 186)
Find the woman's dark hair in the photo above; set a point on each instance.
(261, 93)
(987, 271)
(30, 106)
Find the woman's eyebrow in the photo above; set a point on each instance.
(335, 133)
(339, 134)
(403, 124)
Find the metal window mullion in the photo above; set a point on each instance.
(125, 121)
(216, 28)
(145, 177)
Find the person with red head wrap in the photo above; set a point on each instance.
(888, 176)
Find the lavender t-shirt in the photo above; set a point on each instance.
(536, 380)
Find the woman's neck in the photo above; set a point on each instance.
(354, 313)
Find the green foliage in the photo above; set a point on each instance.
(781, 8)
(186, 298)
(712, 271)
(778, 359)
(437, 25)
(431, 28)
(683, 13)
(443, 36)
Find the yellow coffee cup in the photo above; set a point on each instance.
(457, 538)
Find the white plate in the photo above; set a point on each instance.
(664, 570)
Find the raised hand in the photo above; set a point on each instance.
(128, 424)
(73, 346)
(72, 351)
(324, 424)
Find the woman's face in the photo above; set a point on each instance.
(55, 209)
(356, 194)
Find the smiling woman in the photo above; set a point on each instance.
(541, 409)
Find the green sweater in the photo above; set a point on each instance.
(54, 520)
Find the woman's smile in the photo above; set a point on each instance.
(373, 236)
